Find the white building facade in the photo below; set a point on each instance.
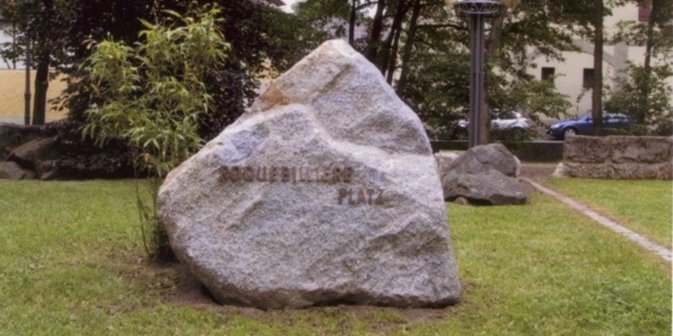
(574, 74)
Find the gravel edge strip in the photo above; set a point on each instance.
(645, 243)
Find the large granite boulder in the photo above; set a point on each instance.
(326, 191)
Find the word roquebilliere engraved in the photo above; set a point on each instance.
(305, 174)
(286, 174)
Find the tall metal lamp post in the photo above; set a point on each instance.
(27, 95)
(477, 11)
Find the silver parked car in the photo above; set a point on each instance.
(499, 120)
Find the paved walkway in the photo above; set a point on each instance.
(645, 243)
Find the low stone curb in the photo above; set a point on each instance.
(645, 243)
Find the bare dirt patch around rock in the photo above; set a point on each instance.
(181, 288)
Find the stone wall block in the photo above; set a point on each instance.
(640, 149)
(650, 171)
(586, 149)
(618, 157)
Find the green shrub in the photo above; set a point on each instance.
(151, 95)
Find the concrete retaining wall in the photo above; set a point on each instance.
(529, 151)
(617, 157)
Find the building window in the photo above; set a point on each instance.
(548, 74)
(588, 78)
(644, 10)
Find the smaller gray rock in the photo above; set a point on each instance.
(12, 171)
(13, 135)
(485, 188)
(444, 160)
(481, 159)
(61, 158)
(30, 154)
(104, 165)
(461, 201)
(559, 171)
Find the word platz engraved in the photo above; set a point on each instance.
(362, 196)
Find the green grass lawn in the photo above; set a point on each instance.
(643, 206)
(72, 263)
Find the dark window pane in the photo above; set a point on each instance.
(644, 11)
(548, 74)
(588, 78)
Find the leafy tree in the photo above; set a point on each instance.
(521, 26)
(263, 39)
(655, 35)
(644, 84)
(259, 36)
(534, 98)
(439, 94)
(423, 51)
(587, 19)
(62, 30)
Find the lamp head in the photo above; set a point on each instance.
(487, 8)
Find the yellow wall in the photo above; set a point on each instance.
(12, 89)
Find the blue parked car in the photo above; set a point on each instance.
(583, 125)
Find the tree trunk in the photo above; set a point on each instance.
(597, 94)
(495, 37)
(351, 22)
(647, 64)
(375, 35)
(495, 41)
(43, 62)
(13, 46)
(41, 87)
(649, 43)
(392, 60)
(408, 46)
(385, 52)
